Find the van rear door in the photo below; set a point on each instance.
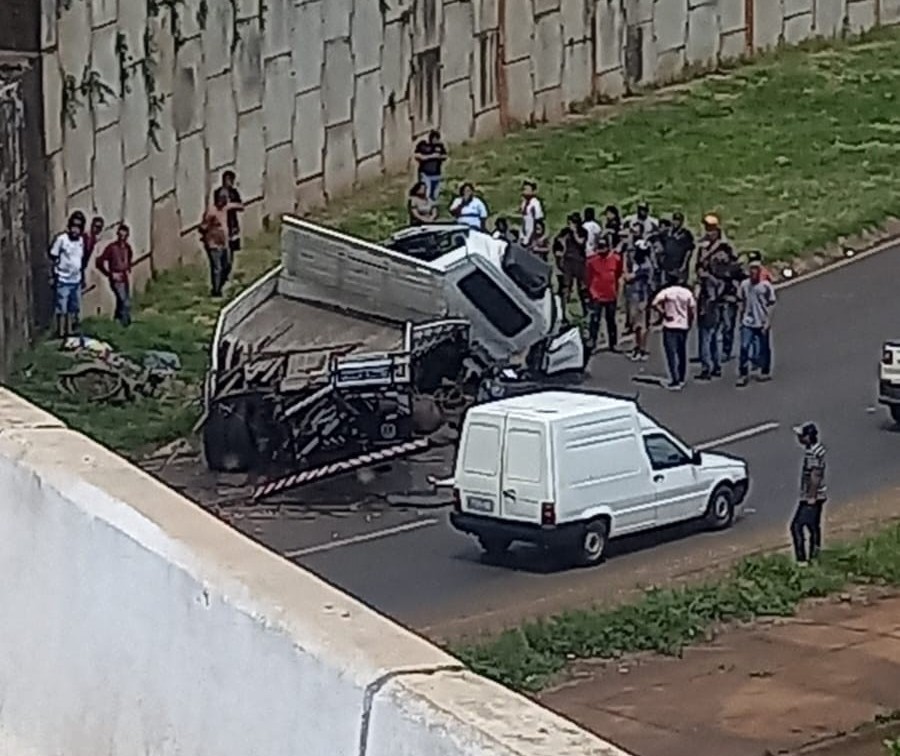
(478, 470)
(525, 481)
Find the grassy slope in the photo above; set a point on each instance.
(792, 151)
(530, 656)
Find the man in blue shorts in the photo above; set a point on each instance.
(67, 257)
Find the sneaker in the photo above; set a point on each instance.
(644, 356)
(635, 356)
(704, 376)
(674, 386)
(742, 381)
(716, 373)
(764, 377)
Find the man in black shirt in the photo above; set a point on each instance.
(431, 154)
(677, 247)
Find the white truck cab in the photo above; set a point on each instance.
(889, 378)
(570, 470)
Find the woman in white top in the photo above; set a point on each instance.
(468, 208)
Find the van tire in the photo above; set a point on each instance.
(494, 546)
(895, 413)
(592, 547)
(227, 443)
(720, 511)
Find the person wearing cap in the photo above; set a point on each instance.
(757, 297)
(642, 218)
(604, 274)
(717, 256)
(756, 257)
(813, 494)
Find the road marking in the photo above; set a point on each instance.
(756, 430)
(362, 538)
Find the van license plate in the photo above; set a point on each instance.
(479, 504)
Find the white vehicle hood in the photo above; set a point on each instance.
(722, 462)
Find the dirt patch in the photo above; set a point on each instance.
(776, 686)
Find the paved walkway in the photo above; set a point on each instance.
(775, 687)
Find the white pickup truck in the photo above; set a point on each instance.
(889, 378)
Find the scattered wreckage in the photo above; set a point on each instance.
(350, 353)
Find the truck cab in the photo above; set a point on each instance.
(570, 470)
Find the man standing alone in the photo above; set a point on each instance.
(678, 308)
(812, 495)
(115, 263)
(229, 181)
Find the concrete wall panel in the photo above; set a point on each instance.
(247, 71)
(368, 115)
(577, 78)
(797, 7)
(278, 101)
(53, 103)
(396, 63)
(733, 45)
(768, 23)
(798, 28)
(547, 52)
(278, 190)
(221, 121)
(518, 29)
(308, 50)
(861, 15)
(336, 19)
(457, 106)
(520, 88)
(366, 37)
(105, 62)
(135, 118)
(890, 12)
(139, 212)
(279, 27)
(162, 159)
(189, 92)
(703, 35)
(309, 134)
(216, 37)
(732, 15)
(191, 180)
(398, 136)
(78, 151)
(340, 159)
(104, 12)
(337, 82)
(457, 58)
(251, 154)
(670, 25)
(828, 18)
(109, 174)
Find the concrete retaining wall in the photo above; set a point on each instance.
(134, 623)
(305, 98)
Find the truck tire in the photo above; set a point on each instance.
(227, 443)
(895, 413)
(720, 510)
(592, 547)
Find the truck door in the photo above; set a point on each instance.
(478, 475)
(526, 475)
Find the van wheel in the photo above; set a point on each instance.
(593, 543)
(720, 512)
(227, 443)
(494, 546)
(895, 413)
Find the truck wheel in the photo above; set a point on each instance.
(494, 546)
(720, 511)
(593, 543)
(895, 413)
(227, 443)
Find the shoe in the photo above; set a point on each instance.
(742, 381)
(674, 386)
(644, 356)
(635, 356)
(703, 376)
(695, 360)
(716, 373)
(764, 378)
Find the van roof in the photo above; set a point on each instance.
(556, 404)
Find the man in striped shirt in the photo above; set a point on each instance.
(813, 494)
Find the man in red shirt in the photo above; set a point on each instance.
(604, 274)
(115, 263)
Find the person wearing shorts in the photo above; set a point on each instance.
(67, 257)
(638, 290)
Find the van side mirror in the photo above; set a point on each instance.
(696, 458)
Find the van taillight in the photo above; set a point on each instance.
(548, 513)
(457, 500)
(887, 357)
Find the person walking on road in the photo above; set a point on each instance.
(604, 273)
(813, 493)
(678, 308)
(757, 297)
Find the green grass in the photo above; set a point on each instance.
(665, 620)
(793, 151)
(892, 747)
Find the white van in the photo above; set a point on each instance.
(571, 470)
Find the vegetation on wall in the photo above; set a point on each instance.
(90, 90)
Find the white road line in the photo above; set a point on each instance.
(756, 430)
(361, 538)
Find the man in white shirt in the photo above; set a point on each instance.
(592, 229)
(67, 256)
(678, 308)
(468, 208)
(532, 210)
(641, 217)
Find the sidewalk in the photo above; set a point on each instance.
(776, 687)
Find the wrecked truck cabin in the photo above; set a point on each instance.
(352, 348)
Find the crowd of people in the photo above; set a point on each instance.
(653, 268)
(72, 250)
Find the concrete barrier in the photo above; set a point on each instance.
(132, 622)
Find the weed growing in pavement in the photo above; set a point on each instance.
(666, 620)
(892, 747)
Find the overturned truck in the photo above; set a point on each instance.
(349, 353)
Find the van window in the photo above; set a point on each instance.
(482, 449)
(495, 304)
(663, 452)
(524, 457)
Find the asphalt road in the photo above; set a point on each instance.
(827, 337)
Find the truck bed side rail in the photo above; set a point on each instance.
(326, 267)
